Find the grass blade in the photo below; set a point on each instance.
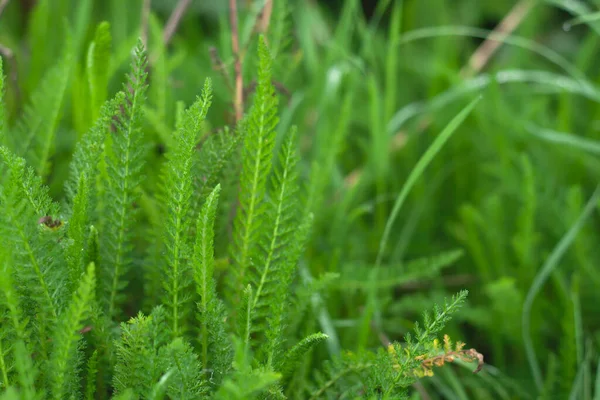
(423, 162)
(563, 138)
(549, 266)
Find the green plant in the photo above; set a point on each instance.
(497, 205)
(73, 271)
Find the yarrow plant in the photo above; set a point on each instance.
(188, 289)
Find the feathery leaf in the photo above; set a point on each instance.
(294, 355)
(65, 358)
(37, 128)
(124, 164)
(31, 225)
(178, 187)
(214, 343)
(257, 156)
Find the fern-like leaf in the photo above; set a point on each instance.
(214, 343)
(136, 358)
(359, 276)
(31, 228)
(92, 372)
(127, 394)
(186, 381)
(216, 152)
(14, 320)
(343, 371)
(37, 127)
(5, 363)
(27, 372)
(77, 231)
(178, 188)
(256, 164)
(388, 372)
(245, 325)
(274, 267)
(11, 321)
(88, 149)
(124, 163)
(245, 382)
(151, 367)
(293, 356)
(279, 40)
(65, 359)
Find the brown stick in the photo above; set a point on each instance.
(219, 66)
(144, 23)
(3, 5)
(174, 20)
(238, 103)
(264, 18)
(490, 45)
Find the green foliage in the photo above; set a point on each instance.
(177, 191)
(65, 357)
(257, 153)
(2, 108)
(123, 175)
(395, 275)
(55, 253)
(98, 62)
(380, 165)
(38, 126)
(30, 222)
(90, 86)
(214, 343)
(295, 354)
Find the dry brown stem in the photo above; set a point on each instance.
(264, 18)
(174, 19)
(144, 21)
(238, 103)
(219, 66)
(491, 44)
(3, 4)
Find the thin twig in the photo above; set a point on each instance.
(171, 27)
(3, 4)
(144, 21)
(238, 104)
(490, 45)
(219, 66)
(280, 87)
(174, 19)
(264, 18)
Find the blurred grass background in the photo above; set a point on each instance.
(370, 84)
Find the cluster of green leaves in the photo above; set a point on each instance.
(505, 208)
(73, 271)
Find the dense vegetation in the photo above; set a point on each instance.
(262, 203)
